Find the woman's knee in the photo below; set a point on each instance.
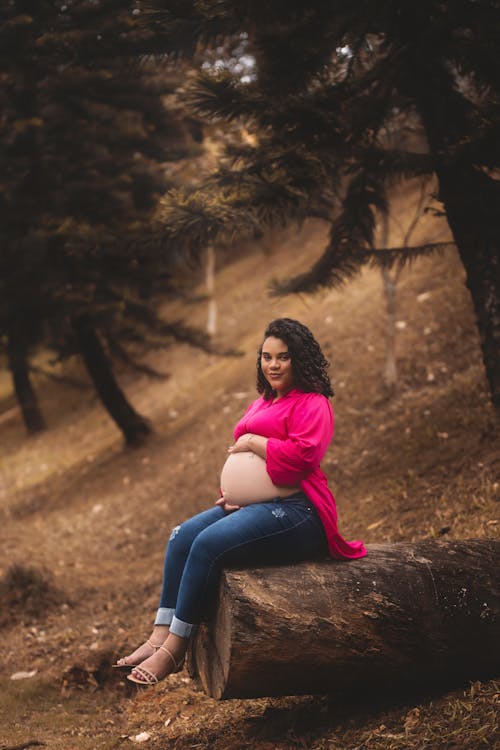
(211, 545)
(185, 533)
(181, 539)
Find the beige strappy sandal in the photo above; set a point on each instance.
(133, 666)
(149, 678)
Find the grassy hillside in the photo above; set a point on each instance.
(92, 518)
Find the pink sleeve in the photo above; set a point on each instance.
(241, 425)
(310, 429)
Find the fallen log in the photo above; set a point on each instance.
(407, 614)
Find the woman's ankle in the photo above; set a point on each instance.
(159, 635)
(176, 645)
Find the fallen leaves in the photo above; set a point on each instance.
(141, 737)
(23, 675)
(375, 525)
(412, 720)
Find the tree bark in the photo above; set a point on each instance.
(405, 615)
(472, 202)
(25, 393)
(210, 284)
(133, 426)
(390, 373)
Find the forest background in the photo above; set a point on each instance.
(290, 150)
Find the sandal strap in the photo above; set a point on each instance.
(149, 677)
(153, 645)
(172, 657)
(123, 663)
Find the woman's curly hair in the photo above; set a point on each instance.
(309, 365)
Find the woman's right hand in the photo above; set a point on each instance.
(225, 504)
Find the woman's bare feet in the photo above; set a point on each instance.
(167, 660)
(147, 649)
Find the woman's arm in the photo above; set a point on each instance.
(249, 442)
(310, 429)
(288, 461)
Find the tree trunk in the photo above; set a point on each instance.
(210, 283)
(472, 202)
(133, 426)
(25, 393)
(390, 373)
(405, 615)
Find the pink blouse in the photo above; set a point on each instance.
(300, 427)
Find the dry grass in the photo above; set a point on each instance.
(26, 593)
(465, 718)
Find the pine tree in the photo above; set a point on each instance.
(86, 135)
(331, 77)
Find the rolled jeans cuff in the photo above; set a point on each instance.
(164, 616)
(181, 628)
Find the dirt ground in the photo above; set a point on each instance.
(91, 518)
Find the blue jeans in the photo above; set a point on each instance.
(280, 531)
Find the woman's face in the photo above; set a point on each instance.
(276, 365)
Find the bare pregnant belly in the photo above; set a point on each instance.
(245, 480)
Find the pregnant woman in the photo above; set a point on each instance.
(275, 504)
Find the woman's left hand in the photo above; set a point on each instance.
(250, 443)
(242, 444)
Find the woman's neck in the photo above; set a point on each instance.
(279, 396)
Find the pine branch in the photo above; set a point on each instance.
(222, 96)
(194, 220)
(404, 256)
(65, 379)
(185, 334)
(119, 352)
(351, 238)
(333, 269)
(395, 164)
(107, 30)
